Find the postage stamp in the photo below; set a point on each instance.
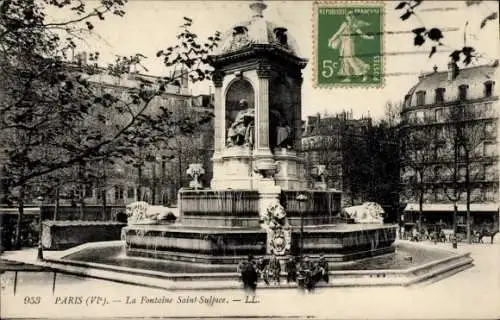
(348, 44)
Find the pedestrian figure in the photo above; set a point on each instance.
(261, 268)
(323, 265)
(249, 275)
(305, 275)
(274, 269)
(315, 275)
(291, 270)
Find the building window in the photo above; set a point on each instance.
(462, 172)
(489, 129)
(441, 152)
(420, 117)
(488, 109)
(489, 149)
(118, 192)
(462, 152)
(439, 95)
(130, 192)
(439, 115)
(487, 172)
(441, 133)
(437, 173)
(462, 92)
(88, 191)
(477, 110)
(440, 196)
(490, 194)
(420, 98)
(488, 89)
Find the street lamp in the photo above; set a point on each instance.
(39, 256)
(301, 198)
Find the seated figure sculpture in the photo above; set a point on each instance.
(283, 135)
(241, 131)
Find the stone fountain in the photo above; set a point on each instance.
(259, 194)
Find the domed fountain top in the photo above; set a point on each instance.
(257, 30)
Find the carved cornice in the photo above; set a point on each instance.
(258, 50)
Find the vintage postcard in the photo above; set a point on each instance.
(249, 159)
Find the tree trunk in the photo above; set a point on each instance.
(180, 172)
(104, 193)
(17, 240)
(104, 204)
(467, 202)
(56, 206)
(81, 203)
(139, 183)
(420, 208)
(455, 213)
(154, 185)
(80, 190)
(162, 183)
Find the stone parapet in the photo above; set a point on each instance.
(58, 235)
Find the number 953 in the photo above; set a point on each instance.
(328, 68)
(32, 300)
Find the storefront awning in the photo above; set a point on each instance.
(448, 207)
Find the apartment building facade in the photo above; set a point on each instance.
(449, 137)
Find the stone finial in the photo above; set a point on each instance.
(257, 8)
(195, 171)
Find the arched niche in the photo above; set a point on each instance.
(240, 113)
(238, 90)
(281, 111)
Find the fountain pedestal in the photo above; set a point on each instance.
(233, 169)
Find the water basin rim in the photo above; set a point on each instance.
(310, 229)
(137, 271)
(166, 275)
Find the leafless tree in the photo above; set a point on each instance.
(417, 161)
(465, 135)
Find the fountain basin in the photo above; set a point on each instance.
(338, 243)
(107, 260)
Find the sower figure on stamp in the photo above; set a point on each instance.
(344, 41)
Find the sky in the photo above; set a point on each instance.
(149, 26)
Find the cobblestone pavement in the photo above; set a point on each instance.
(472, 293)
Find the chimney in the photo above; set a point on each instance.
(81, 58)
(452, 70)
